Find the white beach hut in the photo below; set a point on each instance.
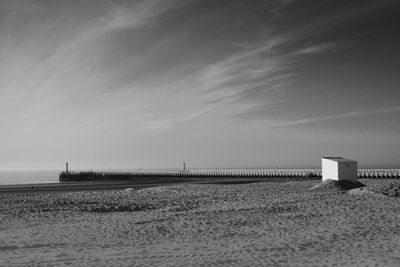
(338, 168)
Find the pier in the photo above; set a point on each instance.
(181, 175)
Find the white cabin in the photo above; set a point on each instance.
(338, 168)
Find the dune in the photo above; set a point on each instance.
(336, 185)
(388, 189)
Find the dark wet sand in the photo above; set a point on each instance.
(72, 186)
(115, 185)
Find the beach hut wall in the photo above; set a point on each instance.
(338, 168)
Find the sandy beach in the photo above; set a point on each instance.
(257, 224)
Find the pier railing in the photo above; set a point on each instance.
(284, 173)
(378, 173)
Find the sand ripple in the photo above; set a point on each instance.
(275, 224)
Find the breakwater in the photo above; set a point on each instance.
(197, 174)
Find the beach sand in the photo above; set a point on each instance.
(257, 224)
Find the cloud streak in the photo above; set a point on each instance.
(247, 69)
(332, 117)
(318, 49)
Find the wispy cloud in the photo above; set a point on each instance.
(49, 74)
(332, 117)
(280, 91)
(254, 74)
(36, 69)
(320, 48)
(243, 70)
(137, 14)
(281, 5)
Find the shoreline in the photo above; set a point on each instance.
(119, 185)
(74, 186)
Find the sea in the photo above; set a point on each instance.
(29, 177)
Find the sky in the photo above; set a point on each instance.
(227, 84)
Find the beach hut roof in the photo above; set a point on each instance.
(339, 159)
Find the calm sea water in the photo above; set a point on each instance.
(28, 177)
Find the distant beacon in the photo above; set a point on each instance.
(339, 169)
